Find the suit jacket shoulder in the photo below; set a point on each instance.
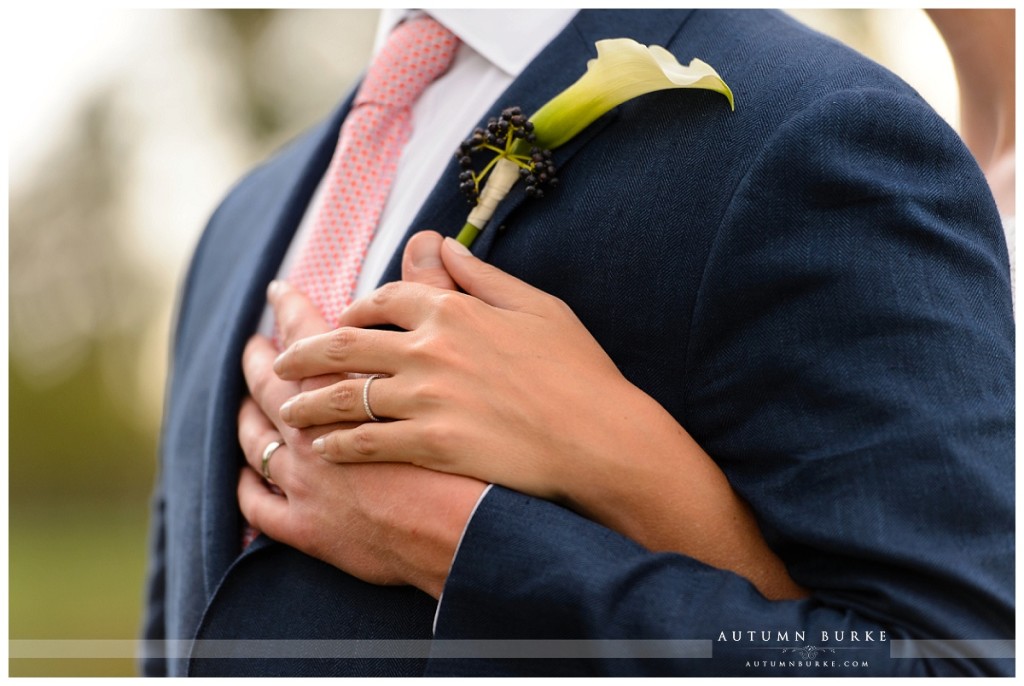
(816, 287)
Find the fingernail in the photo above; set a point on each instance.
(457, 248)
(273, 290)
(279, 362)
(286, 410)
(319, 445)
(425, 255)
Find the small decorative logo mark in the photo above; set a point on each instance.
(808, 652)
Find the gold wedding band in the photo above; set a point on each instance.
(268, 452)
(366, 396)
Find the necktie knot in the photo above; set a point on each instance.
(417, 52)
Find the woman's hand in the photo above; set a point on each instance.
(503, 383)
(384, 523)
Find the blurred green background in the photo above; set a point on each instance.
(129, 126)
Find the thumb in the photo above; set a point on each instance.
(421, 262)
(487, 282)
(296, 315)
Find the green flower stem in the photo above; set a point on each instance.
(468, 235)
(520, 150)
(477, 178)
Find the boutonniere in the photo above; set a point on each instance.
(520, 147)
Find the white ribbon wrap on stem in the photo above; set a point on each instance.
(499, 182)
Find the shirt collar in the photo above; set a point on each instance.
(509, 39)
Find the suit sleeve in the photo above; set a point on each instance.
(151, 662)
(850, 368)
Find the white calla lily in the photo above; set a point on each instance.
(622, 70)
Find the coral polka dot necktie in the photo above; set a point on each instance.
(364, 163)
(363, 166)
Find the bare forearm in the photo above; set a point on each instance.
(657, 486)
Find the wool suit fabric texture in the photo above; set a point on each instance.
(815, 286)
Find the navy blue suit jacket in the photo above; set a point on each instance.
(815, 286)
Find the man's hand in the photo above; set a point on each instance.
(383, 523)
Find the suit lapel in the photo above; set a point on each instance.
(559, 65)
(268, 232)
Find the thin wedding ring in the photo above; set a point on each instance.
(268, 452)
(366, 396)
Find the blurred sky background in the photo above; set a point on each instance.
(125, 128)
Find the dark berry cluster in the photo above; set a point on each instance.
(540, 173)
(505, 136)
